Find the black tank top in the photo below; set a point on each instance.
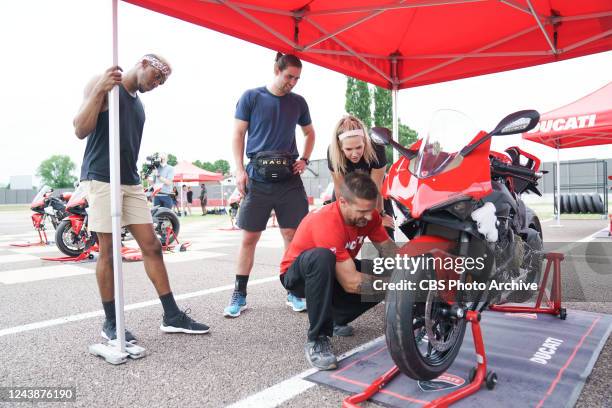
(96, 158)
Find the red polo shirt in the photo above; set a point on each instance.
(325, 228)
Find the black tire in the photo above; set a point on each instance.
(166, 217)
(67, 241)
(574, 203)
(588, 201)
(566, 204)
(401, 311)
(562, 202)
(598, 203)
(581, 204)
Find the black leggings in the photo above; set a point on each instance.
(313, 276)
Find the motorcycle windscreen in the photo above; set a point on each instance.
(39, 198)
(462, 177)
(449, 131)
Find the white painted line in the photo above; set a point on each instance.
(4, 259)
(277, 394)
(33, 250)
(210, 245)
(133, 306)
(41, 273)
(190, 256)
(270, 245)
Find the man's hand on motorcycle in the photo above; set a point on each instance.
(388, 221)
(299, 167)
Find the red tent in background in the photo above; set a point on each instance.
(401, 44)
(585, 122)
(187, 172)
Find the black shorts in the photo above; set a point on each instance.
(287, 199)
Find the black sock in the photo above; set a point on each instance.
(169, 305)
(241, 284)
(109, 309)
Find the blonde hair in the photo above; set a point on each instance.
(337, 156)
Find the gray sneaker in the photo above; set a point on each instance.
(319, 354)
(109, 332)
(343, 331)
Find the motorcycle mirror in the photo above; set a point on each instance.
(517, 122)
(381, 135)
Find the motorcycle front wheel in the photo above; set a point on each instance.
(411, 318)
(165, 221)
(67, 241)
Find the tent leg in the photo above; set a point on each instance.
(395, 121)
(116, 352)
(558, 215)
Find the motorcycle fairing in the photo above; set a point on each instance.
(469, 178)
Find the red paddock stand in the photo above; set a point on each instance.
(38, 221)
(478, 375)
(128, 254)
(553, 302)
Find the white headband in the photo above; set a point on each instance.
(349, 133)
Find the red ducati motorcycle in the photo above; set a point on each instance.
(460, 201)
(46, 206)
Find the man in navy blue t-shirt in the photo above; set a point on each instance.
(269, 115)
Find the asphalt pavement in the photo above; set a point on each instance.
(50, 313)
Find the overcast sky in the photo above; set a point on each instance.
(50, 49)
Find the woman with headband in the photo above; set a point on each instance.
(352, 150)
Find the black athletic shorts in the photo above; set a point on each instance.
(287, 198)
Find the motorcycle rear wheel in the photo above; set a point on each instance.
(167, 218)
(410, 349)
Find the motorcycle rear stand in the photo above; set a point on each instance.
(479, 374)
(552, 302)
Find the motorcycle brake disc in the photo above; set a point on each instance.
(439, 345)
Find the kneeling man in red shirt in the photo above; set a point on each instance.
(320, 264)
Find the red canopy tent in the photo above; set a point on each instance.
(400, 44)
(188, 172)
(393, 44)
(185, 172)
(585, 122)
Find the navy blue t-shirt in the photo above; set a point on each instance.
(272, 121)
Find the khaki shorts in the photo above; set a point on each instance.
(135, 208)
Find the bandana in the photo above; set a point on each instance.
(349, 133)
(164, 69)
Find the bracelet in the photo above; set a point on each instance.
(305, 160)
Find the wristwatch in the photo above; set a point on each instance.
(305, 160)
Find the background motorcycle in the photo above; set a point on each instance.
(459, 201)
(72, 236)
(46, 206)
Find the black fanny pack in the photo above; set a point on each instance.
(273, 166)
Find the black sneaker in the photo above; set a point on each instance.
(182, 323)
(109, 332)
(319, 354)
(343, 330)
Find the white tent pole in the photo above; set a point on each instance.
(394, 77)
(115, 184)
(558, 187)
(395, 121)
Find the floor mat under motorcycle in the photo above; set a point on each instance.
(529, 372)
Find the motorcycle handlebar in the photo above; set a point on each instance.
(519, 170)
